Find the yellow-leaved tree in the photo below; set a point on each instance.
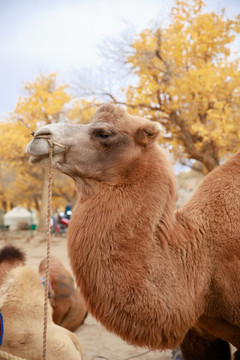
(82, 110)
(188, 79)
(45, 102)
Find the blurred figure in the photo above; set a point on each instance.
(68, 211)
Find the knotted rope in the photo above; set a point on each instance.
(48, 236)
(49, 207)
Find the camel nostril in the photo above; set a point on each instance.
(33, 133)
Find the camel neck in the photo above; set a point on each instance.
(127, 260)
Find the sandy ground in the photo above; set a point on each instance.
(97, 343)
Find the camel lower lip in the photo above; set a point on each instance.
(38, 158)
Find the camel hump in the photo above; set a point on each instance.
(55, 264)
(12, 253)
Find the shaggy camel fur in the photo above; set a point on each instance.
(155, 276)
(21, 304)
(69, 308)
(10, 257)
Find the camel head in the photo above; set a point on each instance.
(103, 150)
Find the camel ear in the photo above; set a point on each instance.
(148, 134)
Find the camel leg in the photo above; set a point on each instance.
(237, 355)
(203, 346)
(221, 329)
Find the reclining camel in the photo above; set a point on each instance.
(21, 304)
(154, 276)
(69, 309)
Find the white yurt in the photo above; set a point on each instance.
(16, 217)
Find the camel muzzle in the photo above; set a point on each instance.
(38, 148)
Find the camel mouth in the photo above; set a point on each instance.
(34, 159)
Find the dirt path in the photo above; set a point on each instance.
(95, 340)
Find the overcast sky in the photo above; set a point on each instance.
(43, 36)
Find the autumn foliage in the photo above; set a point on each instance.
(189, 80)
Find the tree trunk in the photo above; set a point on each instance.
(42, 226)
(4, 205)
(207, 154)
(36, 202)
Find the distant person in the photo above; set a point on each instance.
(68, 211)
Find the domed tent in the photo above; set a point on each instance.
(17, 216)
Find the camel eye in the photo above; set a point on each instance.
(103, 135)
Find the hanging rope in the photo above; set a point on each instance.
(49, 207)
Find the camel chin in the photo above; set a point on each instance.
(43, 160)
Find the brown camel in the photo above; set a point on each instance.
(69, 308)
(21, 304)
(10, 257)
(155, 276)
